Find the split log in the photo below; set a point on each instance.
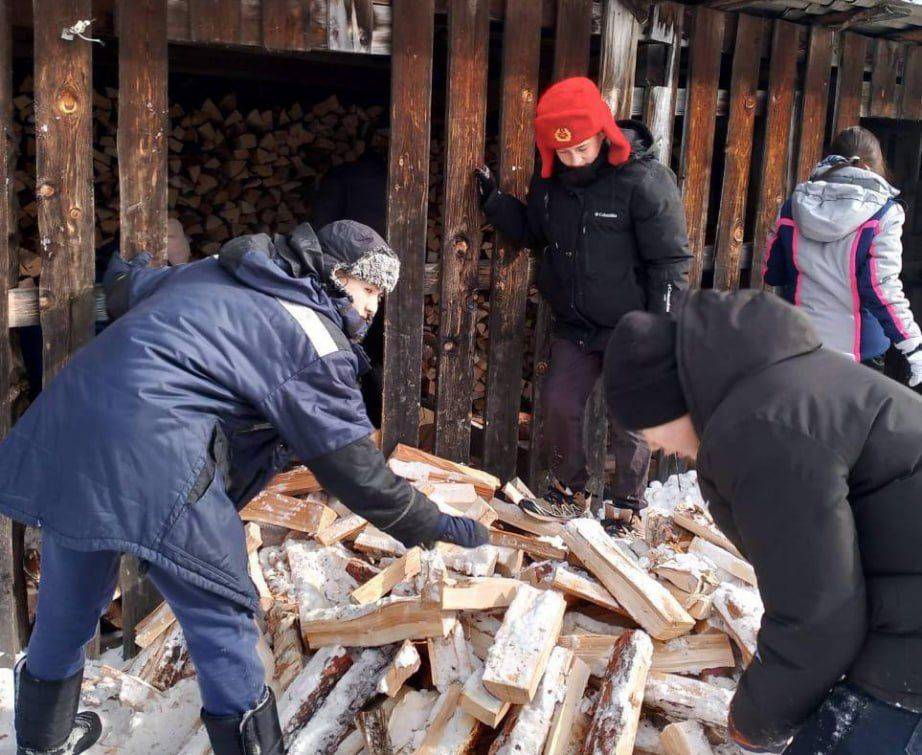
(697, 520)
(533, 546)
(686, 571)
(485, 483)
(381, 584)
(685, 738)
(379, 544)
(373, 724)
(473, 562)
(166, 661)
(741, 611)
(374, 624)
(523, 644)
(303, 515)
(478, 702)
(410, 718)
(681, 698)
(405, 664)
(341, 529)
(724, 560)
(512, 515)
(565, 729)
(153, 625)
(310, 689)
(644, 599)
(534, 720)
(286, 644)
(294, 482)
(449, 731)
(509, 562)
(330, 724)
(450, 659)
(479, 594)
(570, 582)
(617, 710)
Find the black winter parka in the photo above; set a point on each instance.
(613, 246)
(812, 465)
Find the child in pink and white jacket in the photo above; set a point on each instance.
(836, 253)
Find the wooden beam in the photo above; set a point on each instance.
(617, 710)
(286, 24)
(64, 181)
(509, 292)
(884, 71)
(700, 121)
(620, 33)
(776, 150)
(14, 620)
(143, 124)
(853, 54)
(911, 104)
(571, 58)
(407, 204)
(215, 21)
(465, 117)
(815, 101)
(731, 218)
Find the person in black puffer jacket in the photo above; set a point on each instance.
(609, 223)
(812, 466)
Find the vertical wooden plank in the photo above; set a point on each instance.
(286, 24)
(744, 84)
(351, 25)
(509, 293)
(853, 53)
(143, 124)
(468, 37)
(319, 19)
(64, 181)
(815, 101)
(659, 109)
(571, 58)
(911, 104)
(251, 22)
(14, 624)
(177, 20)
(620, 34)
(884, 101)
(407, 202)
(214, 21)
(700, 118)
(571, 41)
(776, 154)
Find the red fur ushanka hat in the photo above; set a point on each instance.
(570, 112)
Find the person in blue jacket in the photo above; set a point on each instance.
(156, 433)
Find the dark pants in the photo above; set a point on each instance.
(851, 722)
(76, 588)
(572, 374)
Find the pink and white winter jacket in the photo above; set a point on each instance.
(836, 252)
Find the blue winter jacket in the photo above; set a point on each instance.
(155, 433)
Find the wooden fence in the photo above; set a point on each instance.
(754, 99)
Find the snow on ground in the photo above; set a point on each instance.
(675, 490)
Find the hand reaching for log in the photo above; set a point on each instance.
(486, 184)
(462, 531)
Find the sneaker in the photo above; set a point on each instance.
(559, 504)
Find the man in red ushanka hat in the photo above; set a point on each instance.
(609, 223)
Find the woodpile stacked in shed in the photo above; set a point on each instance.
(234, 171)
(553, 639)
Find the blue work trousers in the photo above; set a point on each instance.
(76, 588)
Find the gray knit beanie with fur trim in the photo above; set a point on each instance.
(355, 249)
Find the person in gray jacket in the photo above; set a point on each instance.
(836, 253)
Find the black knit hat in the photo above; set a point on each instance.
(641, 372)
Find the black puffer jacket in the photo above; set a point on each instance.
(615, 245)
(813, 466)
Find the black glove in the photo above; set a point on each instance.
(486, 184)
(462, 531)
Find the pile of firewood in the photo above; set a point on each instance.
(552, 639)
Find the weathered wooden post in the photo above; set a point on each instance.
(508, 297)
(407, 202)
(14, 626)
(143, 124)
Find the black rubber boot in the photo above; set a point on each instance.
(47, 722)
(256, 732)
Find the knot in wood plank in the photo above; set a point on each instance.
(68, 102)
(45, 191)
